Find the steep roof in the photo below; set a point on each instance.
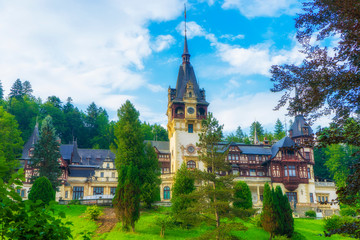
(30, 143)
(298, 127)
(161, 146)
(285, 142)
(94, 156)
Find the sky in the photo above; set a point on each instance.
(109, 51)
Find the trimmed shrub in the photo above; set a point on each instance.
(74, 202)
(335, 222)
(42, 190)
(310, 213)
(242, 195)
(93, 212)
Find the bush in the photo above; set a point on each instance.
(74, 202)
(242, 195)
(257, 220)
(93, 212)
(42, 190)
(310, 213)
(348, 211)
(335, 222)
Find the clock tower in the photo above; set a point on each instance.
(186, 108)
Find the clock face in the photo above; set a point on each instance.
(191, 149)
(191, 110)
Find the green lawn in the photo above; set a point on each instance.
(147, 229)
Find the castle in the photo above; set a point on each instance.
(90, 174)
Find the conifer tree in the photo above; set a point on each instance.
(16, 89)
(242, 196)
(279, 130)
(46, 154)
(1, 91)
(184, 184)
(27, 89)
(269, 218)
(288, 224)
(279, 209)
(150, 173)
(129, 157)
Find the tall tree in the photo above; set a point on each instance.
(46, 154)
(52, 107)
(1, 91)
(184, 185)
(320, 169)
(129, 157)
(150, 173)
(10, 141)
(238, 136)
(284, 213)
(27, 88)
(269, 215)
(328, 79)
(16, 89)
(279, 130)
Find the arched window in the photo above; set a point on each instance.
(190, 94)
(201, 112)
(166, 192)
(191, 164)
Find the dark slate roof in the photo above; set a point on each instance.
(285, 142)
(30, 143)
(298, 127)
(255, 149)
(81, 171)
(66, 150)
(161, 146)
(94, 156)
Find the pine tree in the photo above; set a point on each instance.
(259, 130)
(150, 173)
(269, 218)
(16, 89)
(184, 184)
(46, 154)
(279, 209)
(27, 89)
(129, 158)
(279, 130)
(242, 196)
(288, 227)
(1, 91)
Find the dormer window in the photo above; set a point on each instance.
(31, 152)
(305, 130)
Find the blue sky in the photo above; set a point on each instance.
(110, 51)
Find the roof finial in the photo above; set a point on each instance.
(256, 139)
(185, 55)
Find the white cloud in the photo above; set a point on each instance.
(263, 8)
(163, 42)
(91, 51)
(192, 29)
(232, 37)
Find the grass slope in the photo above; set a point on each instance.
(146, 227)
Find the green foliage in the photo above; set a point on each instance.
(259, 131)
(320, 169)
(238, 136)
(27, 219)
(154, 132)
(42, 190)
(242, 195)
(348, 211)
(279, 131)
(276, 217)
(93, 212)
(224, 232)
(74, 202)
(1, 91)
(150, 172)
(184, 184)
(46, 154)
(16, 90)
(164, 222)
(10, 141)
(310, 213)
(130, 156)
(335, 222)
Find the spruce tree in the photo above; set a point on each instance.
(288, 227)
(27, 89)
(279, 209)
(16, 89)
(150, 173)
(269, 218)
(242, 196)
(1, 91)
(129, 158)
(184, 184)
(46, 154)
(42, 190)
(279, 130)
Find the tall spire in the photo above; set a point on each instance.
(185, 56)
